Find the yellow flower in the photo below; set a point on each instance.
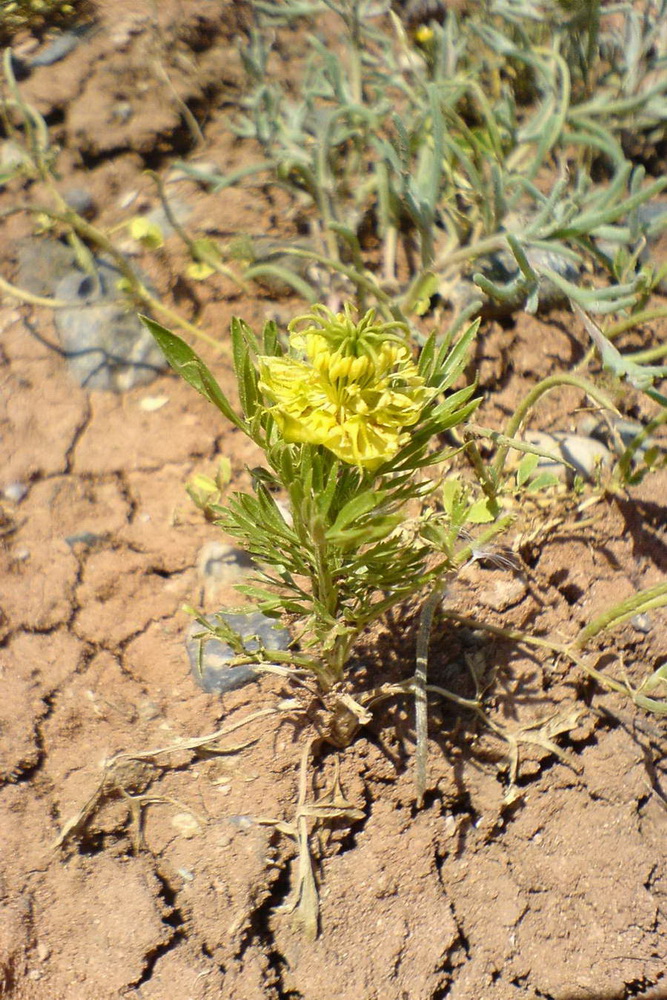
(355, 392)
(424, 34)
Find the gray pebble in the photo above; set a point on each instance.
(642, 623)
(179, 210)
(615, 432)
(585, 454)
(43, 263)
(12, 154)
(122, 111)
(210, 667)
(15, 492)
(220, 566)
(105, 344)
(60, 46)
(81, 200)
(222, 563)
(86, 538)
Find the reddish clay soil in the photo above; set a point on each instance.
(171, 887)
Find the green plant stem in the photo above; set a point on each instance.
(561, 649)
(652, 354)
(420, 682)
(520, 414)
(136, 287)
(384, 301)
(195, 252)
(625, 461)
(277, 656)
(630, 322)
(645, 600)
(34, 300)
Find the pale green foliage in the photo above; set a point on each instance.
(446, 148)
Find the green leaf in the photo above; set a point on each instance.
(542, 481)
(244, 343)
(483, 511)
(352, 511)
(270, 342)
(526, 468)
(190, 366)
(451, 495)
(370, 531)
(326, 496)
(427, 357)
(418, 296)
(273, 515)
(454, 362)
(249, 388)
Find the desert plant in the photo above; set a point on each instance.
(447, 153)
(347, 421)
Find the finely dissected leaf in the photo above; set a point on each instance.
(352, 511)
(370, 531)
(273, 516)
(190, 366)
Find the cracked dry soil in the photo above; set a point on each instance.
(561, 895)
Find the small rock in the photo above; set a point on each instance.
(127, 199)
(587, 455)
(106, 345)
(148, 710)
(86, 538)
(158, 217)
(122, 111)
(43, 263)
(149, 404)
(503, 594)
(220, 563)
(59, 47)
(210, 667)
(615, 432)
(15, 492)
(186, 825)
(81, 200)
(12, 154)
(642, 623)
